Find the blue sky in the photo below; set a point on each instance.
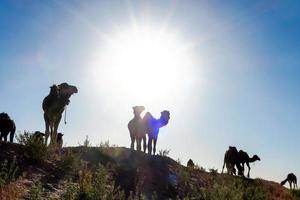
(242, 90)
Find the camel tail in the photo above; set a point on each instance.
(223, 165)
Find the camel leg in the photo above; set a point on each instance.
(132, 141)
(46, 119)
(56, 124)
(150, 145)
(11, 137)
(144, 143)
(248, 175)
(154, 146)
(138, 147)
(223, 167)
(5, 136)
(290, 184)
(12, 134)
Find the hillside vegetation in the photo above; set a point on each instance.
(106, 172)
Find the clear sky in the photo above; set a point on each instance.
(232, 75)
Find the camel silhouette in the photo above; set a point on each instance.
(234, 158)
(53, 105)
(136, 128)
(152, 127)
(292, 179)
(231, 160)
(244, 158)
(7, 126)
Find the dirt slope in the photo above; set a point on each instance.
(147, 174)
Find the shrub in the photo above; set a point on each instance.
(8, 171)
(200, 168)
(69, 162)
(164, 152)
(71, 191)
(91, 186)
(213, 171)
(35, 192)
(104, 144)
(34, 151)
(296, 194)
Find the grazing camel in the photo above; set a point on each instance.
(38, 136)
(152, 127)
(53, 105)
(136, 128)
(292, 179)
(7, 126)
(244, 158)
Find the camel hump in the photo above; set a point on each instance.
(4, 115)
(147, 116)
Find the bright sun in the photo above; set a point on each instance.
(146, 64)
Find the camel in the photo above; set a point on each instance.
(234, 158)
(54, 105)
(292, 179)
(38, 137)
(231, 160)
(7, 126)
(244, 158)
(136, 129)
(152, 126)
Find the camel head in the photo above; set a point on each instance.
(38, 133)
(59, 135)
(255, 157)
(4, 115)
(165, 116)
(67, 90)
(54, 90)
(137, 110)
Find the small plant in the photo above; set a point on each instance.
(213, 171)
(200, 168)
(69, 162)
(86, 142)
(104, 144)
(35, 192)
(178, 161)
(93, 185)
(164, 152)
(71, 191)
(8, 171)
(296, 193)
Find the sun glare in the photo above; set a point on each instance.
(146, 64)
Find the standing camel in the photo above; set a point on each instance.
(136, 129)
(152, 127)
(292, 179)
(244, 158)
(234, 158)
(231, 160)
(53, 105)
(7, 126)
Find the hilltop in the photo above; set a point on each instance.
(91, 172)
